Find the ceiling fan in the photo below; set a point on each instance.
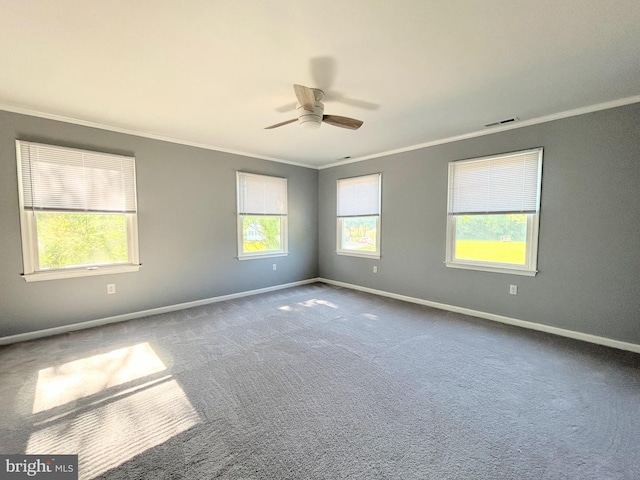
(311, 111)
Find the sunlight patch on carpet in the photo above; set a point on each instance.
(71, 381)
(314, 302)
(117, 428)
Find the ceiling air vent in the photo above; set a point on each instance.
(502, 122)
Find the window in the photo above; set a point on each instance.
(359, 216)
(77, 212)
(262, 216)
(493, 213)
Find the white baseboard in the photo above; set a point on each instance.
(631, 347)
(23, 337)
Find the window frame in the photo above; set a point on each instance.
(376, 254)
(532, 235)
(284, 228)
(29, 232)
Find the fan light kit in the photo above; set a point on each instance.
(312, 119)
(310, 111)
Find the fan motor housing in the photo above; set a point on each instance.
(311, 119)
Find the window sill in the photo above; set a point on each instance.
(263, 255)
(492, 269)
(79, 272)
(359, 254)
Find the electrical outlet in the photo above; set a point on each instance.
(513, 289)
(274, 266)
(111, 288)
(375, 269)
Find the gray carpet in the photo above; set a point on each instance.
(319, 382)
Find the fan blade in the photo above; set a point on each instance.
(281, 124)
(305, 96)
(344, 122)
(354, 102)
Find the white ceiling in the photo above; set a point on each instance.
(215, 73)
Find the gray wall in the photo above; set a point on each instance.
(589, 245)
(187, 230)
(589, 252)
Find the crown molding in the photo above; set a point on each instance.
(479, 133)
(140, 133)
(489, 131)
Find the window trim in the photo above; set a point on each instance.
(357, 253)
(340, 220)
(266, 253)
(29, 233)
(496, 267)
(532, 238)
(284, 227)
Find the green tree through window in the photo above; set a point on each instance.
(75, 239)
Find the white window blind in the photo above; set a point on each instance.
(499, 184)
(359, 196)
(65, 179)
(261, 194)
